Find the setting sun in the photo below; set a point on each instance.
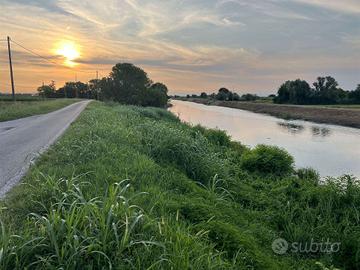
(69, 50)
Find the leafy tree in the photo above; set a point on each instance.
(235, 97)
(128, 84)
(354, 96)
(327, 91)
(153, 97)
(74, 90)
(160, 87)
(223, 94)
(95, 89)
(295, 92)
(48, 91)
(249, 97)
(203, 95)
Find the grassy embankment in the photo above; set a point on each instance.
(344, 115)
(133, 188)
(13, 110)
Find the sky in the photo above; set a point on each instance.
(248, 46)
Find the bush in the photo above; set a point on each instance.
(308, 174)
(266, 159)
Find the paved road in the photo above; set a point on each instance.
(22, 140)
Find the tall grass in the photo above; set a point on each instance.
(186, 203)
(13, 110)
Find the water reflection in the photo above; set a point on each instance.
(291, 127)
(294, 129)
(330, 149)
(320, 131)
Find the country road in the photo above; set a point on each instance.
(22, 140)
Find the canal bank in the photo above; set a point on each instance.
(330, 149)
(348, 117)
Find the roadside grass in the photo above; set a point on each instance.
(14, 110)
(134, 188)
(20, 97)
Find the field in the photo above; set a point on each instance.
(13, 110)
(134, 188)
(343, 115)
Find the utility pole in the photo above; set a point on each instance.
(97, 85)
(11, 70)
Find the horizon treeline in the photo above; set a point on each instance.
(126, 84)
(325, 91)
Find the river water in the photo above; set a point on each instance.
(331, 150)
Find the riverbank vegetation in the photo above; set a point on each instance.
(32, 106)
(134, 188)
(326, 90)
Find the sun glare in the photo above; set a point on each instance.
(69, 50)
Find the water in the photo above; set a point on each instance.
(331, 150)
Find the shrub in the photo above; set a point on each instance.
(308, 174)
(266, 159)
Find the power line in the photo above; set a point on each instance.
(49, 60)
(34, 53)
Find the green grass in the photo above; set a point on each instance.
(20, 97)
(14, 110)
(134, 188)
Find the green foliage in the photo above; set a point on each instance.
(215, 136)
(129, 84)
(74, 209)
(325, 91)
(268, 160)
(48, 91)
(74, 90)
(308, 174)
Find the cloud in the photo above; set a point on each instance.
(347, 6)
(189, 44)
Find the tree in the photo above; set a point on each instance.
(74, 90)
(47, 91)
(295, 92)
(95, 89)
(160, 87)
(223, 94)
(249, 97)
(327, 91)
(354, 96)
(128, 84)
(203, 95)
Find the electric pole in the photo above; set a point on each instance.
(97, 85)
(11, 70)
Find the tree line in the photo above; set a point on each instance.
(225, 94)
(325, 90)
(127, 84)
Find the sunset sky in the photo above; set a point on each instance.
(192, 46)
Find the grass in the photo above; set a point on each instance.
(134, 188)
(14, 110)
(20, 97)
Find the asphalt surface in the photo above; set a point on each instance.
(23, 140)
